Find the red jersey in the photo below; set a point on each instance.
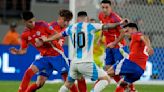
(114, 33)
(138, 49)
(58, 29)
(29, 36)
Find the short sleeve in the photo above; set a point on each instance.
(67, 31)
(97, 26)
(24, 41)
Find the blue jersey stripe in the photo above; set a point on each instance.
(79, 50)
(90, 36)
(69, 32)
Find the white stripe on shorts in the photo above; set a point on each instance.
(118, 67)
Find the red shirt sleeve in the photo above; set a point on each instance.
(24, 41)
(116, 17)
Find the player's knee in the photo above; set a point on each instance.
(68, 84)
(123, 84)
(107, 78)
(29, 72)
(40, 84)
(110, 71)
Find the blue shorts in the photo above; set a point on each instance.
(47, 64)
(130, 70)
(113, 55)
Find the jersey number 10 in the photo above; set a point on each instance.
(79, 39)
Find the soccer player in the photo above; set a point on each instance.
(112, 54)
(59, 26)
(51, 60)
(82, 37)
(132, 67)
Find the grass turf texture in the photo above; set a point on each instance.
(12, 86)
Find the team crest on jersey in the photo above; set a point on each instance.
(38, 33)
(29, 38)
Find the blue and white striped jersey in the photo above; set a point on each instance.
(82, 38)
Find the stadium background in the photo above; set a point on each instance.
(149, 14)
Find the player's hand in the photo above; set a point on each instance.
(150, 51)
(38, 42)
(124, 21)
(13, 50)
(111, 45)
(44, 38)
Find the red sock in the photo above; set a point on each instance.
(119, 89)
(73, 88)
(32, 88)
(82, 85)
(26, 80)
(117, 78)
(132, 87)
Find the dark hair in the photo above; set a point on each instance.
(132, 25)
(82, 13)
(27, 15)
(13, 25)
(67, 14)
(106, 2)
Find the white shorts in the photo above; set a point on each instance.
(86, 69)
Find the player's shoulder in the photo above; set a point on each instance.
(53, 23)
(114, 14)
(26, 32)
(100, 15)
(41, 23)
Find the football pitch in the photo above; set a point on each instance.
(12, 86)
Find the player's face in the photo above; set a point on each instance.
(30, 23)
(82, 19)
(63, 22)
(106, 8)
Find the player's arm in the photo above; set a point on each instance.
(20, 51)
(113, 25)
(100, 38)
(24, 45)
(146, 40)
(51, 38)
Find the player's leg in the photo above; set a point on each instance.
(111, 59)
(70, 79)
(37, 66)
(91, 70)
(123, 52)
(38, 84)
(111, 72)
(82, 86)
(126, 68)
(32, 70)
(64, 68)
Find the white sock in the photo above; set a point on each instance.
(63, 89)
(100, 85)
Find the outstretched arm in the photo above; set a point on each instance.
(18, 52)
(51, 38)
(114, 25)
(146, 40)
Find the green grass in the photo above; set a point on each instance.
(7, 86)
